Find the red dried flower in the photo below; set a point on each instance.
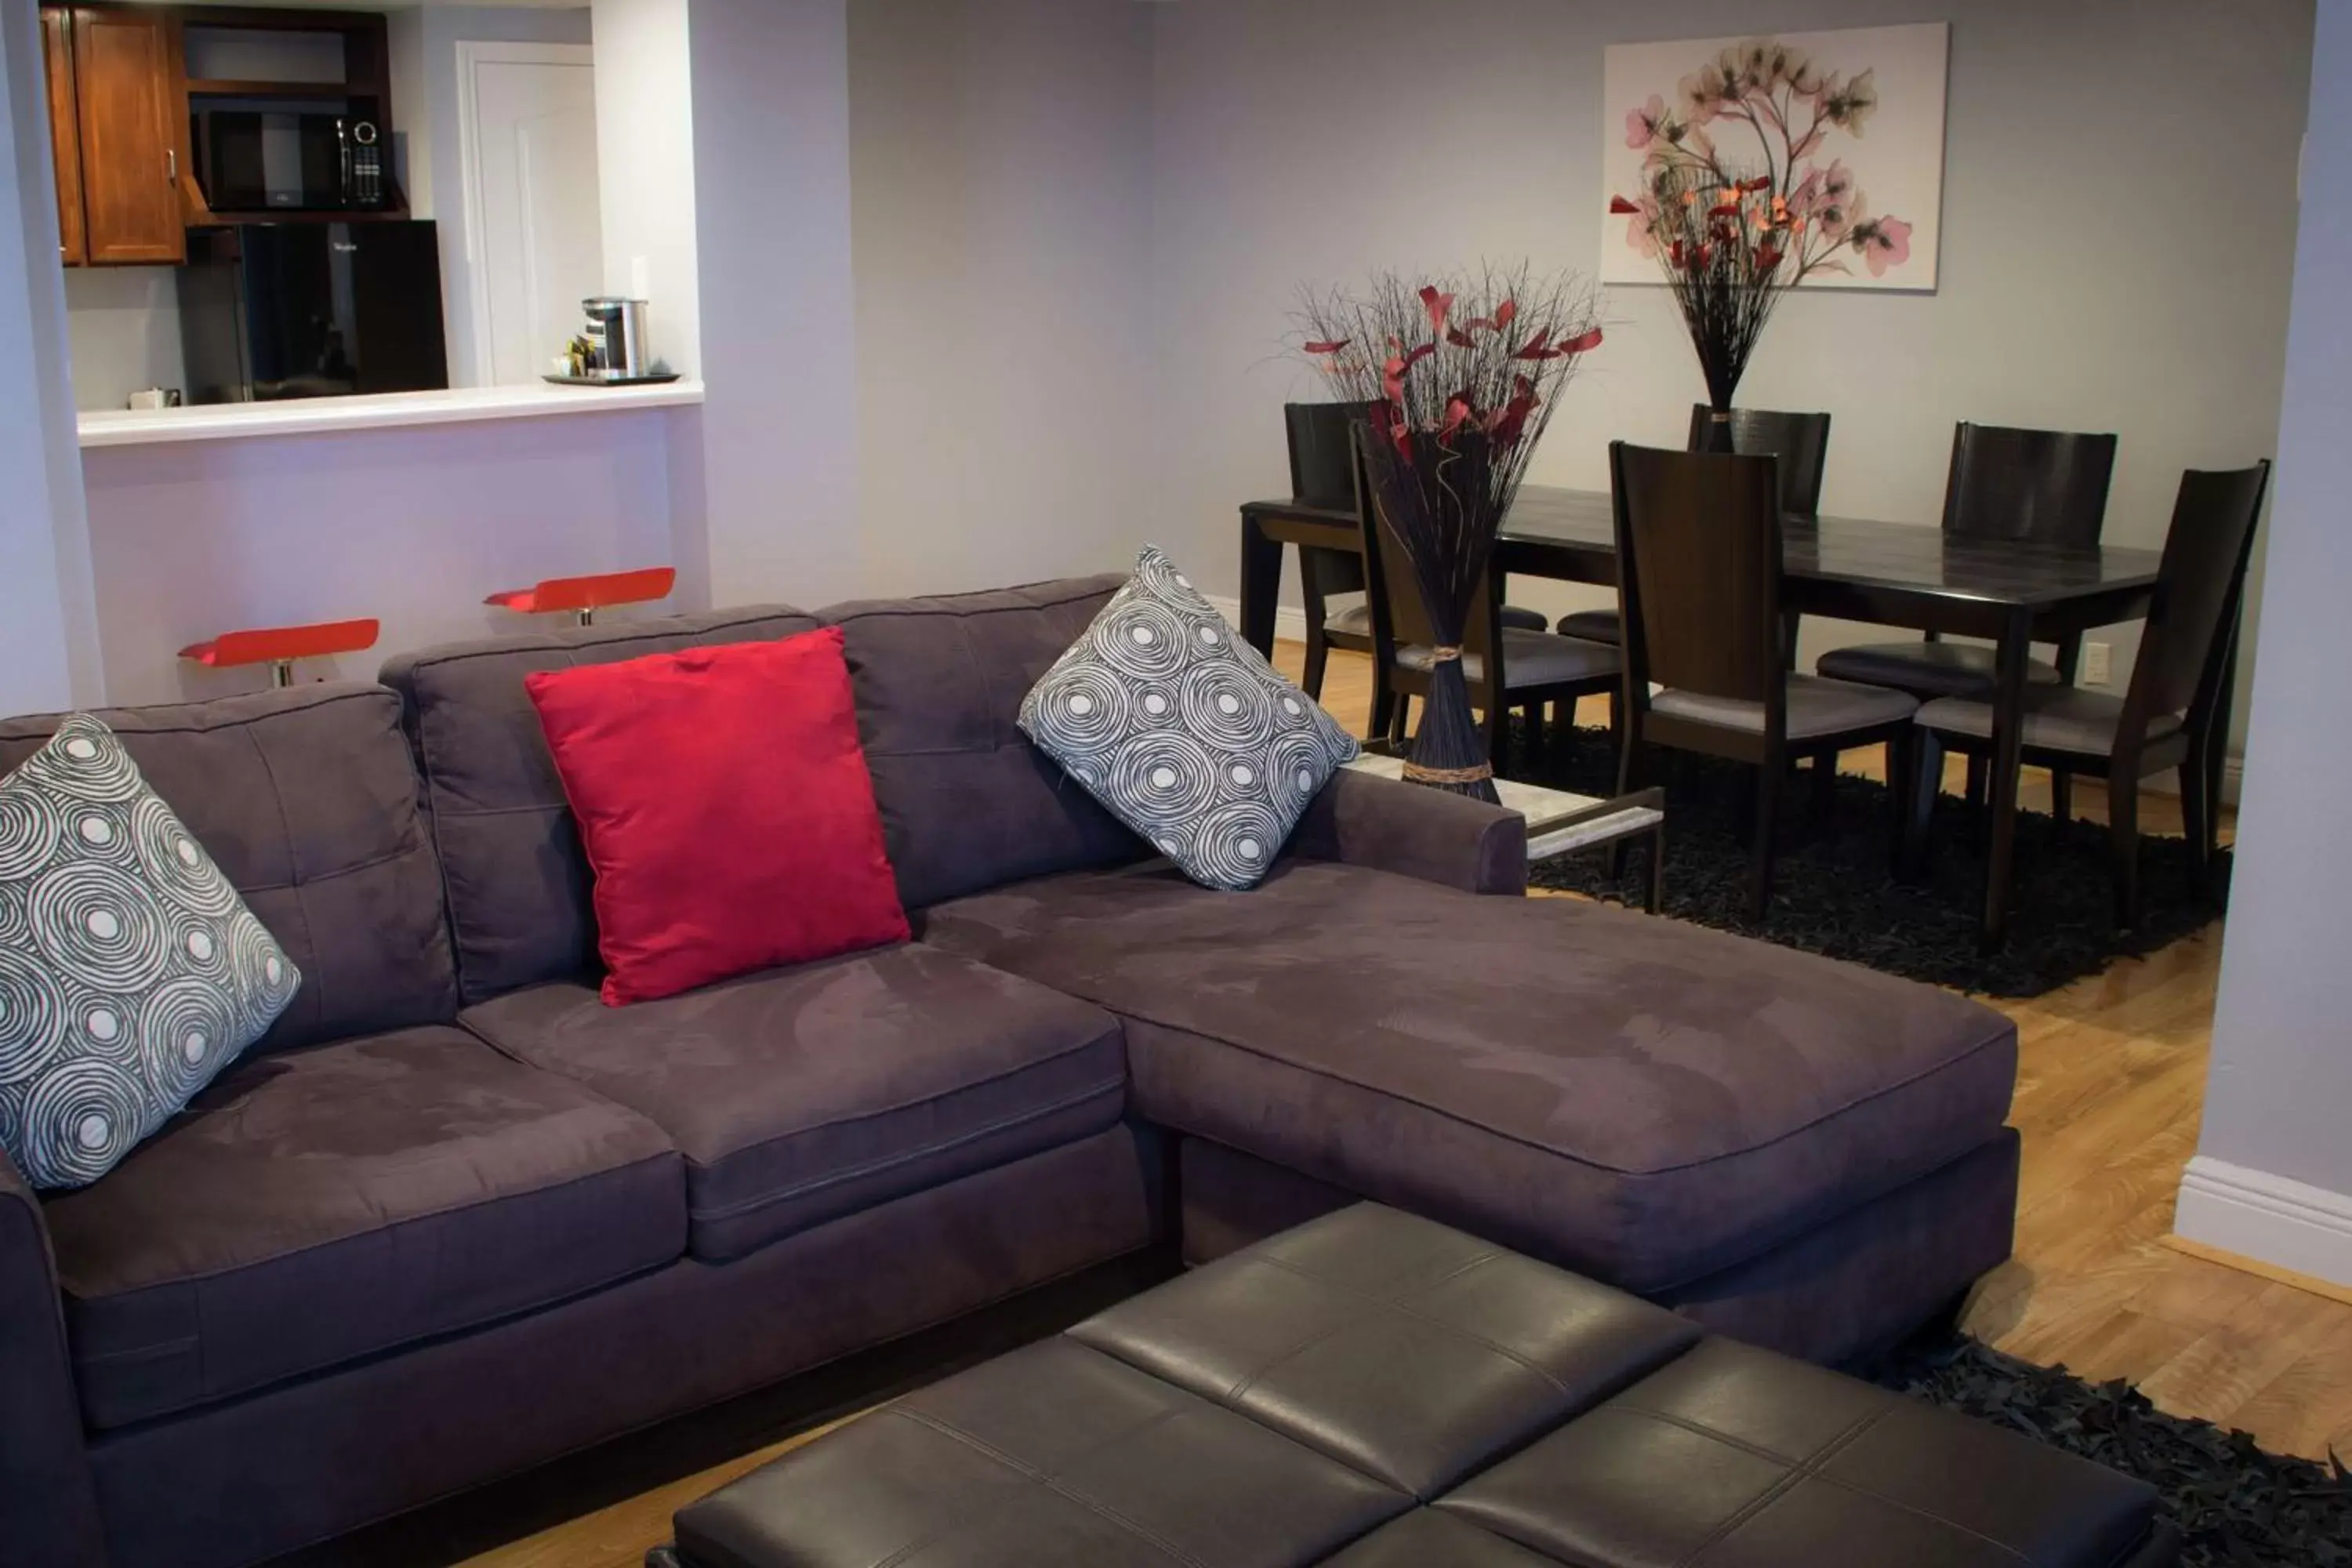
(1437, 305)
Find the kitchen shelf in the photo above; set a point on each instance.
(217, 219)
(311, 90)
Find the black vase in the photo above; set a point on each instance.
(1716, 437)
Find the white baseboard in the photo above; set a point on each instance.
(2271, 1219)
(1289, 620)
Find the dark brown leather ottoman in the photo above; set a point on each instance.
(1377, 1391)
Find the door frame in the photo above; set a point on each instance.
(472, 54)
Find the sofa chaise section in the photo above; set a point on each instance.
(1640, 1100)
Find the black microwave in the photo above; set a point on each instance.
(257, 161)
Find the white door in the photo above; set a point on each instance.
(535, 234)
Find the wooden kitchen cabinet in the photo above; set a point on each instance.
(65, 134)
(122, 127)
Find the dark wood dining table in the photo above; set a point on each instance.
(1889, 574)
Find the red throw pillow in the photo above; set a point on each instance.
(726, 808)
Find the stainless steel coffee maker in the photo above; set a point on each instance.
(616, 331)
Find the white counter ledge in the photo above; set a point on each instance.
(295, 416)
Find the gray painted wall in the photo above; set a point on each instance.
(777, 485)
(1001, 216)
(2119, 218)
(2281, 1078)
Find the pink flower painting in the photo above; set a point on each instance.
(1770, 121)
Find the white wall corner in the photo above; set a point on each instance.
(2273, 1219)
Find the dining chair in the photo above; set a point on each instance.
(1699, 584)
(1507, 667)
(1322, 473)
(2167, 717)
(2005, 486)
(1802, 442)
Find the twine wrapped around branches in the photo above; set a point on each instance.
(1461, 377)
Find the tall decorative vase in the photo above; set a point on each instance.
(1458, 380)
(1437, 504)
(1718, 437)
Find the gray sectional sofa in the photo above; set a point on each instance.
(453, 1217)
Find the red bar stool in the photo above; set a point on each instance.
(279, 646)
(583, 596)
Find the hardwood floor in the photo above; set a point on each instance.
(2110, 1085)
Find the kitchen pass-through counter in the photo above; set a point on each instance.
(295, 416)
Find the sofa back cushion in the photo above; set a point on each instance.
(517, 883)
(967, 802)
(307, 802)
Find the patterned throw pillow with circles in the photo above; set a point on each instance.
(131, 973)
(1183, 731)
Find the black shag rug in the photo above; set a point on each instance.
(1833, 891)
(2234, 1505)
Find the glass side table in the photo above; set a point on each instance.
(1559, 823)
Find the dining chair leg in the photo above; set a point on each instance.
(1759, 851)
(2062, 795)
(1319, 653)
(1629, 769)
(1657, 895)
(1979, 778)
(1902, 763)
(1822, 802)
(1926, 788)
(2123, 843)
(1536, 711)
(2196, 815)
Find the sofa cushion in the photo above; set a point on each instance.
(801, 1095)
(307, 801)
(1642, 1100)
(967, 800)
(318, 1206)
(517, 883)
(725, 808)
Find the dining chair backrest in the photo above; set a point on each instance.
(1802, 442)
(2199, 585)
(2039, 487)
(1698, 578)
(1399, 618)
(1322, 450)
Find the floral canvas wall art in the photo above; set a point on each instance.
(1842, 131)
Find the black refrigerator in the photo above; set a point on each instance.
(271, 310)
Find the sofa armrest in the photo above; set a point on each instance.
(1414, 831)
(46, 1492)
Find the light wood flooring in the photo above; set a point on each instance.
(2110, 1087)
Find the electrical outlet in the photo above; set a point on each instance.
(2097, 664)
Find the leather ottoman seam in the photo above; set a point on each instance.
(1782, 1487)
(1053, 1484)
(1399, 1304)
